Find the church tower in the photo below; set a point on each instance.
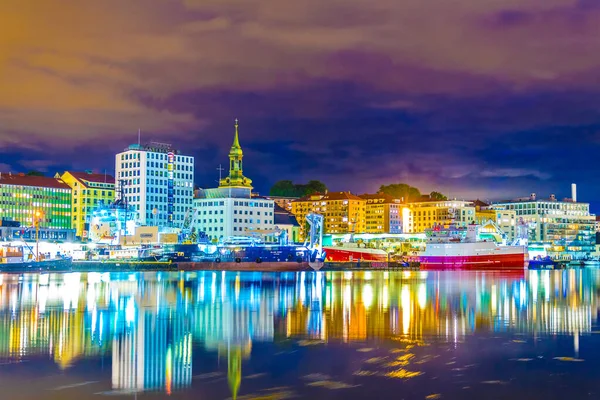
(236, 178)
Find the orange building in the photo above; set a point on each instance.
(342, 212)
(383, 213)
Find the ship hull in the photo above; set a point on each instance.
(340, 254)
(37, 266)
(474, 256)
(504, 261)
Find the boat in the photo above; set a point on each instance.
(351, 252)
(542, 263)
(12, 259)
(457, 247)
(253, 255)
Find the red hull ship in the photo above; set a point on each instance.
(350, 252)
(457, 248)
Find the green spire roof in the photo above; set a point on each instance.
(235, 147)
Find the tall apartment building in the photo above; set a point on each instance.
(157, 180)
(566, 226)
(383, 213)
(416, 217)
(230, 209)
(342, 212)
(22, 196)
(88, 191)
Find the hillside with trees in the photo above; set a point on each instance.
(290, 189)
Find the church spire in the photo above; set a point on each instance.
(236, 139)
(236, 176)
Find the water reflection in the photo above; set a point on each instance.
(149, 323)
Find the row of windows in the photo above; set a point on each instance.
(19, 188)
(85, 192)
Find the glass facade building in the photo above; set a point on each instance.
(22, 196)
(567, 227)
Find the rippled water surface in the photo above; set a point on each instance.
(326, 335)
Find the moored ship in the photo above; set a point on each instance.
(457, 247)
(351, 252)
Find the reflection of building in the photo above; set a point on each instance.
(88, 190)
(21, 196)
(416, 217)
(157, 181)
(153, 351)
(567, 226)
(343, 212)
(151, 319)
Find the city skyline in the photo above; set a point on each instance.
(497, 101)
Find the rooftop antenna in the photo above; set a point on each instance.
(220, 169)
(139, 136)
(104, 175)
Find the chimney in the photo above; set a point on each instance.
(532, 196)
(574, 192)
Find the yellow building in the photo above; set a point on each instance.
(342, 212)
(506, 220)
(416, 217)
(88, 189)
(382, 213)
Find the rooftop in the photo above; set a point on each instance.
(155, 147)
(35, 181)
(92, 177)
(283, 217)
(379, 196)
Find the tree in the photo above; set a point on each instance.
(401, 191)
(34, 173)
(437, 196)
(288, 188)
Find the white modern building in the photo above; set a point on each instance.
(157, 181)
(230, 209)
(221, 213)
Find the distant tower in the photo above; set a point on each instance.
(236, 177)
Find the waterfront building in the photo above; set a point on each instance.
(505, 220)
(88, 190)
(283, 202)
(566, 226)
(342, 212)
(416, 217)
(230, 209)
(157, 181)
(383, 213)
(285, 220)
(27, 199)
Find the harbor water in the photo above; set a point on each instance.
(318, 335)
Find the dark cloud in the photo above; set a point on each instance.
(475, 99)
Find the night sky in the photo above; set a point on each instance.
(485, 99)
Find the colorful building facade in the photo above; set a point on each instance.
(416, 217)
(88, 191)
(157, 181)
(343, 212)
(383, 213)
(23, 197)
(566, 226)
